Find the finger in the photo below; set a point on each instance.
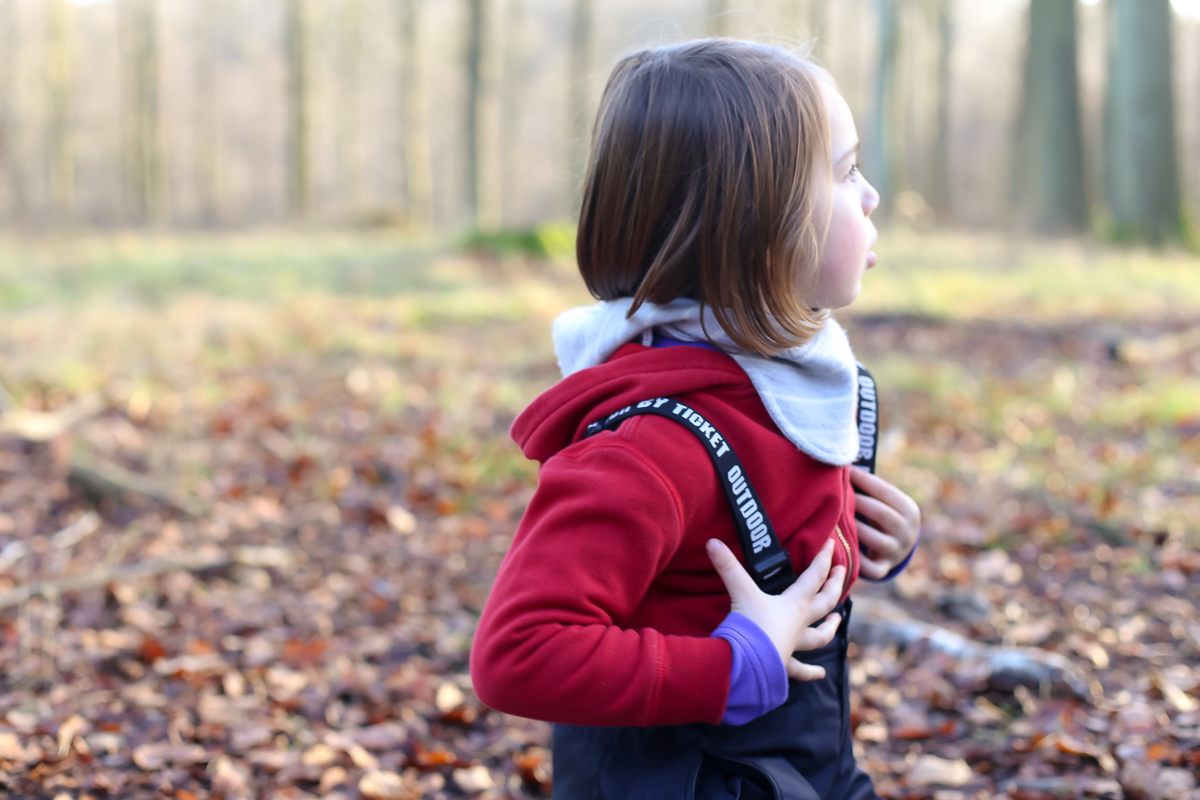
(830, 593)
(811, 579)
(875, 569)
(884, 516)
(812, 638)
(737, 581)
(877, 542)
(804, 672)
(877, 487)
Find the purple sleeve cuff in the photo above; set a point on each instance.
(758, 680)
(896, 570)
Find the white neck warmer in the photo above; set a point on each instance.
(810, 391)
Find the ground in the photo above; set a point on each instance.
(312, 435)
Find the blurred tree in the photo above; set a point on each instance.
(348, 131)
(60, 84)
(1050, 146)
(206, 123)
(881, 142)
(143, 135)
(11, 162)
(818, 28)
(517, 77)
(418, 177)
(717, 22)
(299, 177)
(1141, 168)
(939, 195)
(580, 95)
(473, 61)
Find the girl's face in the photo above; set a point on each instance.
(847, 207)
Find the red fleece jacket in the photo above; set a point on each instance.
(602, 609)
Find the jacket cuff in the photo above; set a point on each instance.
(758, 679)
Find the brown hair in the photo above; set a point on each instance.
(701, 185)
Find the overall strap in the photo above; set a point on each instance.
(866, 417)
(766, 560)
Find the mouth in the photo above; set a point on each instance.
(871, 259)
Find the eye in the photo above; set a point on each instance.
(853, 171)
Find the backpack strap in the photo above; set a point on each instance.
(866, 418)
(763, 555)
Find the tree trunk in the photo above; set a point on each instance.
(1051, 162)
(299, 179)
(60, 79)
(1142, 178)
(516, 81)
(206, 132)
(473, 62)
(418, 169)
(717, 22)
(144, 138)
(882, 143)
(11, 162)
(940, 194)
(348, 122)
(818, 28)
(580, 96)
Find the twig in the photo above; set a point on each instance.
(44, 426)
(109, 480)
(878, 622)
(107, 575)
(1153, 350)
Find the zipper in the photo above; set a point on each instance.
(842, 538)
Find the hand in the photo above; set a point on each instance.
(785, 618)
(894, 521)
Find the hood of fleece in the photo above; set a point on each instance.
(556, 418)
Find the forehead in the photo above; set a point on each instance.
(842, 133)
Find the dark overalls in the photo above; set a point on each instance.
(800, 751)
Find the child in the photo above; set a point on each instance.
(723, 219)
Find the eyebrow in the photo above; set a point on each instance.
(849, 152)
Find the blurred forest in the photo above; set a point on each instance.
(203, 113)
(276, 276)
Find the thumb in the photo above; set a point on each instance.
(737, 581)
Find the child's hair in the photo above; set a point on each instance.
(701, 185)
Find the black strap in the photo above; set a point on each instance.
(764, 556)
(866, 416)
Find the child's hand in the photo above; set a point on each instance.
(895, 520)
(785, 618)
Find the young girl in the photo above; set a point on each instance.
(723, 219)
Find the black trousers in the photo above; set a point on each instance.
(799, 751)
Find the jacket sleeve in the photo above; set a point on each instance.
(602, 524)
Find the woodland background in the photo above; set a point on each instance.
(276, 276)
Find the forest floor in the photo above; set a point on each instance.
(254, 490)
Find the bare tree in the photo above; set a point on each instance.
(207, 125)
(940, 170)
(10, 150)
(60, 80)
(580, 94)
(718, 18)
(348, 119)
(884, 131)
(418, 177)
(1050, 157)
(1141, 167)
(144, 150)
(299, 187)
(473, 63)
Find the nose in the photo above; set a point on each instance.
(870, 200)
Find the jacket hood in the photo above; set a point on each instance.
(559, 416)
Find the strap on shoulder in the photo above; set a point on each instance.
(763, 555)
